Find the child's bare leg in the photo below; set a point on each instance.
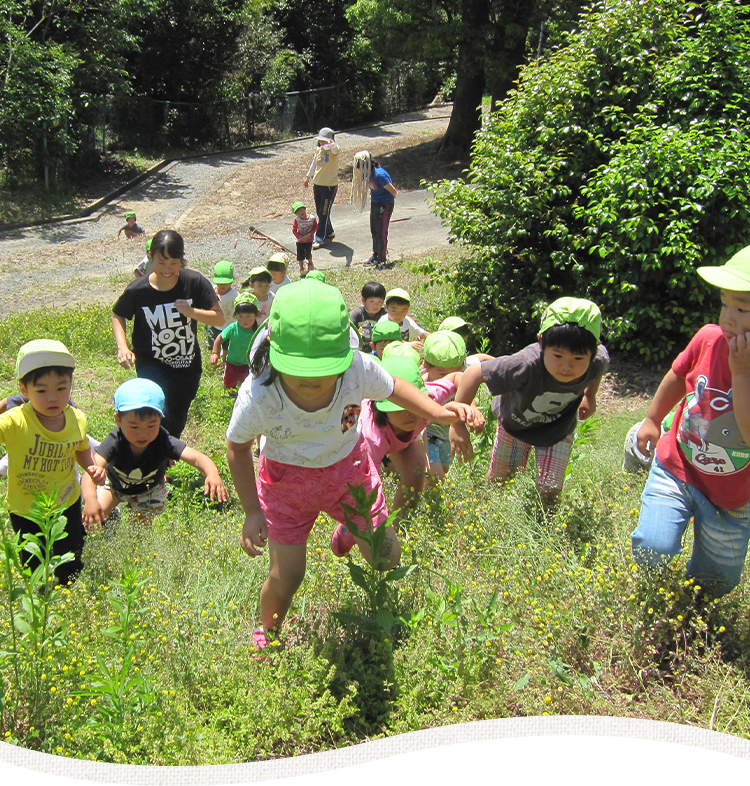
(390, 553)
(285, 574)
(411, 466)
(107, 500)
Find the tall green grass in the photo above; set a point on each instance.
(510, 612)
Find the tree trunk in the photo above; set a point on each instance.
(466, 117)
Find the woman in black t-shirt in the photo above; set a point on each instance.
(165, 307)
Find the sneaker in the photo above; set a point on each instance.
(342, 541)
(330, 236)
(310, 266)
(372, 261)
(317, 244)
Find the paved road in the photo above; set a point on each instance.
(80, 261)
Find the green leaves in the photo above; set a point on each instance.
(614, 170)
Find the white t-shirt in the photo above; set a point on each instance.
(264, 308)
(227, 305)
(275, 287)
(410, 330)
(308, 439)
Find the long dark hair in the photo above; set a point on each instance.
(168, 243)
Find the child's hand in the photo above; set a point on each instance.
(477, 425)
(464, 412)
(587, 407)
(125, 358)
(418, 344)
(214, 359)
(461, 447)
(93, 516)
(97, 474)
(254, 533)
(215, 489)
(739, 354)
(648, 436)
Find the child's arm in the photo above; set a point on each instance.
(214, 486)
(477, 423)
(93, 513)
(213, 316)
(412, 399)
(670, 392)
(125, 356)
(739, 365)
(468, 387)
(587, 406)
(391, 189)
(88, 464)
(255, 530)
(215, 351)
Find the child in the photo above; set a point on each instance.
(540, 392)
(227, 294)
(444, 355)
(235, 340)
(45, 437)
(131, 229)
(397, 303)
(463, 328)
(259, 282)
(365, 317)
(304, 227)
(276, 266)
(390, 430)
(382, 335)
(306, 396)
(136, 455)
(145, 267)
(702, 465)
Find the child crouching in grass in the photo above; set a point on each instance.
(540, 393)
(306, 397)
(136, 455)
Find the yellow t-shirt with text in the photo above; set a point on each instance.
(39, 460)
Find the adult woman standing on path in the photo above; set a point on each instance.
(165, 307)
(324, 171)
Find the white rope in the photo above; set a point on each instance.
(361, 171)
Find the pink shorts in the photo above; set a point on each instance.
(292, 497)
(235, 375)
(510, 454)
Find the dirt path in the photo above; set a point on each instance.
(212, 201)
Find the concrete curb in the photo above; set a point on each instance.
(92, 211)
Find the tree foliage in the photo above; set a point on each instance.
(618, 166)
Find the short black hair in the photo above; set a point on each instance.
(373, 289)
(36, 374)
(570, 336)
(142, 413)
(274, 264)
(398, 301)
(264, 276)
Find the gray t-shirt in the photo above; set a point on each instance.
(530, 403)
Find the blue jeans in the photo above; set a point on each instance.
(720, 536)
(324, 196)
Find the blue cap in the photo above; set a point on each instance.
(137, 393)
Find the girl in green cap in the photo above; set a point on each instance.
(306, 398)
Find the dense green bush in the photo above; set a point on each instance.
(618, 166)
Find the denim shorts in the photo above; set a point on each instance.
(720, 536)
(439, 450)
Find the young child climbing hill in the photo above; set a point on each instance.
(306, 397)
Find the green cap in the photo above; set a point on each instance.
(316, 275)
(148, 244)
(404, 368)
(223, 272)
(398, 292)
(130, 214)
(400, 349)
(387, 330)
(277, 258)
(453, 323)
(245, 297)
(734, 275)
(42, 353)
(584, 313)
(445, 349)
(256, 271)
(296, 206)
(309, 330)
